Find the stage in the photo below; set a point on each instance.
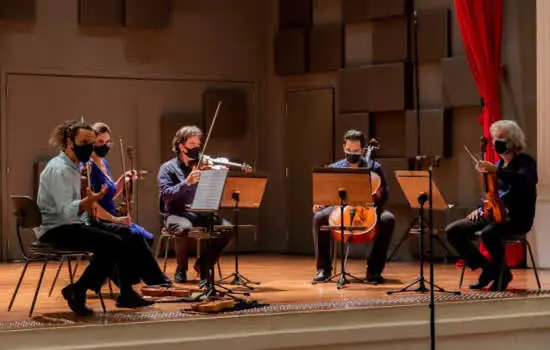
(289, 298)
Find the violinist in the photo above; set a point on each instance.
(354, 148)
(517, 180)
(64, 221)
(101, 175)
(178, 179)
(137, 240)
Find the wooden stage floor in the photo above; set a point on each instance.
(285, 287)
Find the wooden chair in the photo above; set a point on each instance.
(514, 239)
(166, 237)
(27, 217)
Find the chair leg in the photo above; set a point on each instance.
(102, 301)
(158, 246)
(59, 266)
(76, 265)
(166, 248)
(533, 263)
(462, 275)
(18, 284)
(71, 274)
(111, 289)
(219, 269)
(38, 287)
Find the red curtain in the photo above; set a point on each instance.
(480, 24)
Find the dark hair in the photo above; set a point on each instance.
(183, 135)
(355, 135)
(67, 130)
(101, 128)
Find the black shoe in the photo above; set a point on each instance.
(77, 300)
(485, 277)
(375, 278)
(180, 276)
(322, 275)
(506, 279)
(132, 301)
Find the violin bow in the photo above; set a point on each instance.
(471, 154)
(125, 189)
(210, 131)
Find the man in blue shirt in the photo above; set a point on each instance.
(178, 181)
(354, 148)
(64, 219)
(517, 183)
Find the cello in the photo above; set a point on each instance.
(359, 215)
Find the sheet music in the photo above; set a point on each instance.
(210, 190)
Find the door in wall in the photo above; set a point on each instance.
(309, 143)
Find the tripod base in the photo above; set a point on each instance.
(217, 292)
(422, 282)
(239, 280)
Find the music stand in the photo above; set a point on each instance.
(342, 187)
(207, 200)
(416, 185)
(242, 192)
(416, 181)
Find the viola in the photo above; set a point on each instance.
(359, 215)
(85, 183)
(493, 207)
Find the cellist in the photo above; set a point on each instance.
(354, 148)
(517, 180)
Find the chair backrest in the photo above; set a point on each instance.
(27, 215)
(26, 212)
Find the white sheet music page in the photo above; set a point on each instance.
(210, 190)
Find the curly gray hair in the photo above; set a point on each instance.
(512, 132)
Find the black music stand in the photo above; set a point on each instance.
(207, 200)
(341, 187)
(412, 198)
(241, 192)
(417, 185)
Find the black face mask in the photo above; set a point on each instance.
(83, 152)
(353, 158)
(193, 153)
(102, 150)
(501, 147)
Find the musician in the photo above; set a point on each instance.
(135, 237)
(517, 181)
(178, 179)
(101, 175)
(354, 148)
(64, 218)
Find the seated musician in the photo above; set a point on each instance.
(134, 236)
(517, 182)
(178, 180)
(354, 148)
(64, 219)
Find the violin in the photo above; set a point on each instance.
(85, 184)
(493, 207)
(208, 162)
(358, 215)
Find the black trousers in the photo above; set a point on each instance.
(324, 245)
(140, 263)
(180, 226)
(461, 234)
(104, 245)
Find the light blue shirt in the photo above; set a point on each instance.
(59, 194)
